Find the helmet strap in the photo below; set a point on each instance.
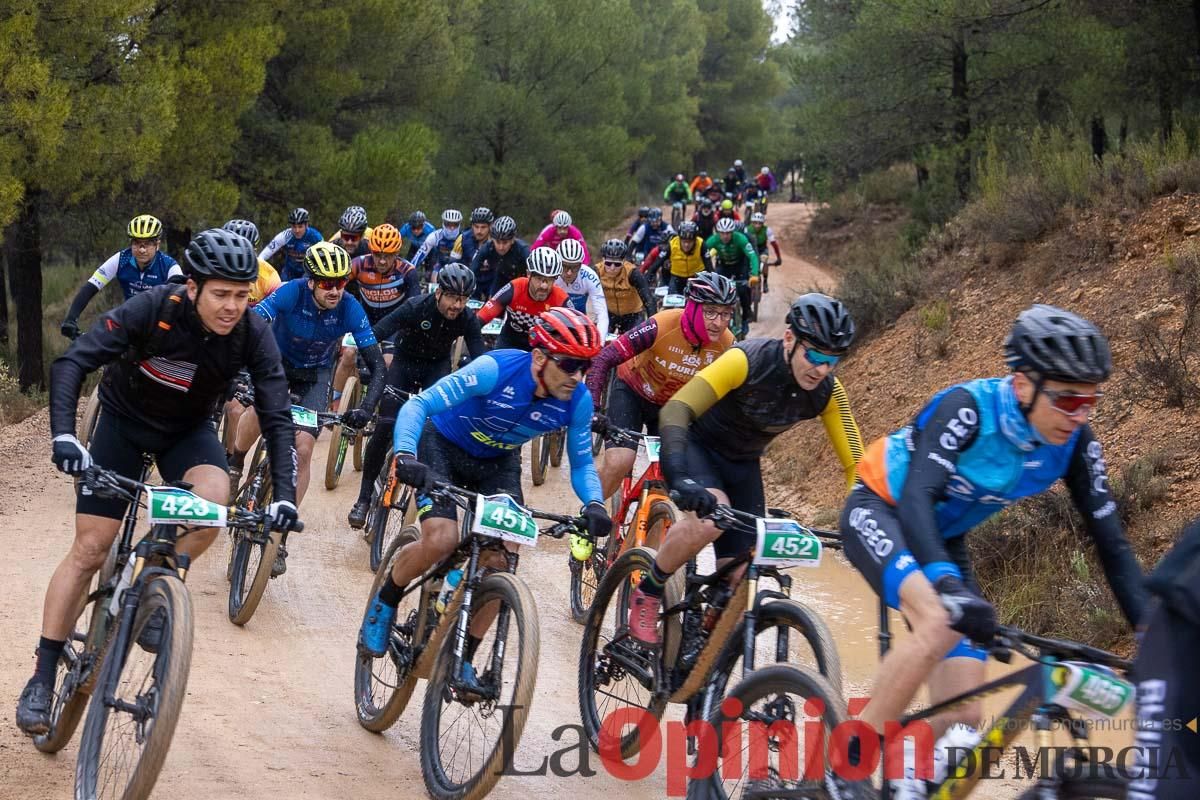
(538, 376)
(1038, 383)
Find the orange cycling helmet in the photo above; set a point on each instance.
(566, 332)
(384, 239)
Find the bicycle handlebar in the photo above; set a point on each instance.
(564, 524)
(1039, 648)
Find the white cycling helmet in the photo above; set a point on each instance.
(737, 162)
(570, 251)
(451, 216)
(544, 261)
(758, 217)
(726, 225)
(562, 219)
(765, 170)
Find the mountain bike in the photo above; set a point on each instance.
(345, 438)
(667, 300)
(598, 435)
(136, 693)
(546, 450)
(393, 508)
(676, 213)
(253, 551)
(467, 737)
(715, 628)
(642, 513)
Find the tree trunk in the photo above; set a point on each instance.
(1166, 111)
(1196, 15)
(3, 299)
(25, 282)
(961, 103)
(1099, 138)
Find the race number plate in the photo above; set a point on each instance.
(674, 301)
(474, 305)
(786, 543)
(1091, 690)
(304, 417)
(493, 328)
(501, 517)
(653, 446)
(172, 506)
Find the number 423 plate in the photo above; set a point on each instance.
(172, 506)
(786, 543)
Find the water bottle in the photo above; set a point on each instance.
(448, 587)
(114, 607)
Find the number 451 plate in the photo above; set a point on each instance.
(786, 543)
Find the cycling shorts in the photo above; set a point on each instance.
(119, 443)
(741, 481)
(874, 545)
(620, 323)
(411, 376)
(627, 409)
(447, 462)
(310, 388)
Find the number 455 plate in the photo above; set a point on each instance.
(786, 543)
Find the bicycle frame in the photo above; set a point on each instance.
(651, 485)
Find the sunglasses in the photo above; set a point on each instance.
(611, 263)
(351, 237)
(329, 284)
(1071, 403)
(819, 359)
(572, 365)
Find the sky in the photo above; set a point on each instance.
(780, 11)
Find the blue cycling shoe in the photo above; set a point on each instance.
(376, 630)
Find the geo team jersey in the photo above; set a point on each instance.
(488, 408)
(133, 279)
(304, 332)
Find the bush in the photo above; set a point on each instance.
(16, 405)
(1167, 371)
(878, 283)
(933, 333)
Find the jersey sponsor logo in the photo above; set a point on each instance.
(943, 462)
(483, 438)
(175, 375)
(905, 561)
(875, 539)
(1105, 510)
(472, 380)
(509, 392)
(956, 429)
(1097, 467)
(426, 324)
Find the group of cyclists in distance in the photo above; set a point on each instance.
(296, 318)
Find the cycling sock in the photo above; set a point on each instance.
(48, 652)
(473, 643)
(391, 593)
(654, 580)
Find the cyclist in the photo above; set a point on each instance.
(653, 360)
(170, 353)
(268, 279)
(678, 193)
(439, 244)
(705, 218)
(681, 257)
(727, 210)
(308, 317)
(732, 185)
(426, 328)
(715, 428)
(766, 182)
(625, 289)
(500, 260)
(415, 232)
(739, 169)
(700, 184)
(654, 232)
(762, 237)
(525, 298)
(642, 214)
(730, 253)
(561, 228)
(972, 450)
(353, 232)
(468, 430)
(751, 195)
(466, 246)
(581, 283)
(715, 194)
(137, 268)
(293, 242)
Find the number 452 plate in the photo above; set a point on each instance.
(786, 543)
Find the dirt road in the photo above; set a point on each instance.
(269, 708)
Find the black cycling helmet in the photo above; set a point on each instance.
(655, 215)
(688, 229)
(822, 320)
(299, 216)
(706, 204)
(456, 279)
(218, 253)
(504, 229)
(709, 287)
(643, 211)
(482, 214)
(353, 220)
(1058, 345)
(613, 250)
(243, 227)
(416, 220)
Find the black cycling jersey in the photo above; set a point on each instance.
(493, 271)
(178, 385)
(423, 334)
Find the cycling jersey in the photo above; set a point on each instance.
(760, 237)
(700, 185)
(549, 238)
(746, 398)
(587, 286)
(626, 291)
(968, 454)
(360, 249)
(648, 237)
(465, 247)
(655, 359)
(134, 279)
(766, 182)
(522, 309)
(305, 333)
(493, 271)
(737, 260)
(706, 223)
(168, 378)
(423, 334)
(380, 292)
(683, 265)
(415, 238)
(293, 251)
(637, 223)
(266, 282)
(488, 409)
(437, 248)
(677, 191)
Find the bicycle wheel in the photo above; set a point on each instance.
(339, 442)
(387, 522)
(558, 445)
(360, 436)
(772, 763)
(1080, 780)
(122, 749)
(539, 458)
(253, 556)
(466, 743)
(585, 578)
(384, 685)
(91, 414)
(614, 671)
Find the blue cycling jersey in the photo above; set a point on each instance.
(415, 238)
(305, 333)
(437, 248)
(488, 408)
(133, 279)
(1005, 462)
(293, 251)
